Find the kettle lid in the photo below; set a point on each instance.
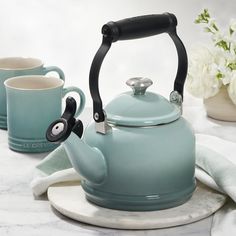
(141, 108)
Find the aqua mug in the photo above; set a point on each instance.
(18, 66)
(33, 102)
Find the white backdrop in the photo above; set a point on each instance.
(66, 33)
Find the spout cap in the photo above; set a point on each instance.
(60, 129)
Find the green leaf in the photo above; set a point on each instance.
(219, 75)
(206, 13)
(203, 17)
(207, 29)
(231, 31)
(215, 27)
(223, 45)
(232, 65)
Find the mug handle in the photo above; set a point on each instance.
(81, 95)
(55, 69)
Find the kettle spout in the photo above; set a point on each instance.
(88, 161)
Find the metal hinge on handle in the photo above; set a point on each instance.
(176, 99)
(101, 127)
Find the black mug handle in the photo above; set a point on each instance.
(133, 28)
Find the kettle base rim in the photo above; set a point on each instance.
(138, 203)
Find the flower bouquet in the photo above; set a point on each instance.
(212, 70)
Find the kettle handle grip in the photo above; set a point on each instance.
(132, 28)
(140, 26)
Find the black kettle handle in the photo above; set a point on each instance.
(132, 28)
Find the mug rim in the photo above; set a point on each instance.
(57, 82)
(38, 63)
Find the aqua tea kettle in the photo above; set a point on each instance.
(139, 153)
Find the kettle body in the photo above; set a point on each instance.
(149, 168)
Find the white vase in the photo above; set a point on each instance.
(221, 107)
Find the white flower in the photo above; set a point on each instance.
(222, 59)
(211, 68)
(212, 21)
(233, 24)
(232, 87)
(227, 76)
(217, 36)
(202, 80)
(212, 25)
(228, 39)
(233, 50)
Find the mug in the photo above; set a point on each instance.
(18, 66)
(33, 103)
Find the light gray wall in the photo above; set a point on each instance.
(67, 33)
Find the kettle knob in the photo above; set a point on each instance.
(139, 84)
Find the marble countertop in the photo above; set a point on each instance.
(22, 214)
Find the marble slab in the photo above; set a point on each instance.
(69, 199)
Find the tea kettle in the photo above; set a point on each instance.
(139, 153)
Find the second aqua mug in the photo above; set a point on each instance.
(33, 102)
(18, 66)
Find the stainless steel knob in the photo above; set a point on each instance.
(139, 84)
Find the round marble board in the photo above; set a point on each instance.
(69, 199)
